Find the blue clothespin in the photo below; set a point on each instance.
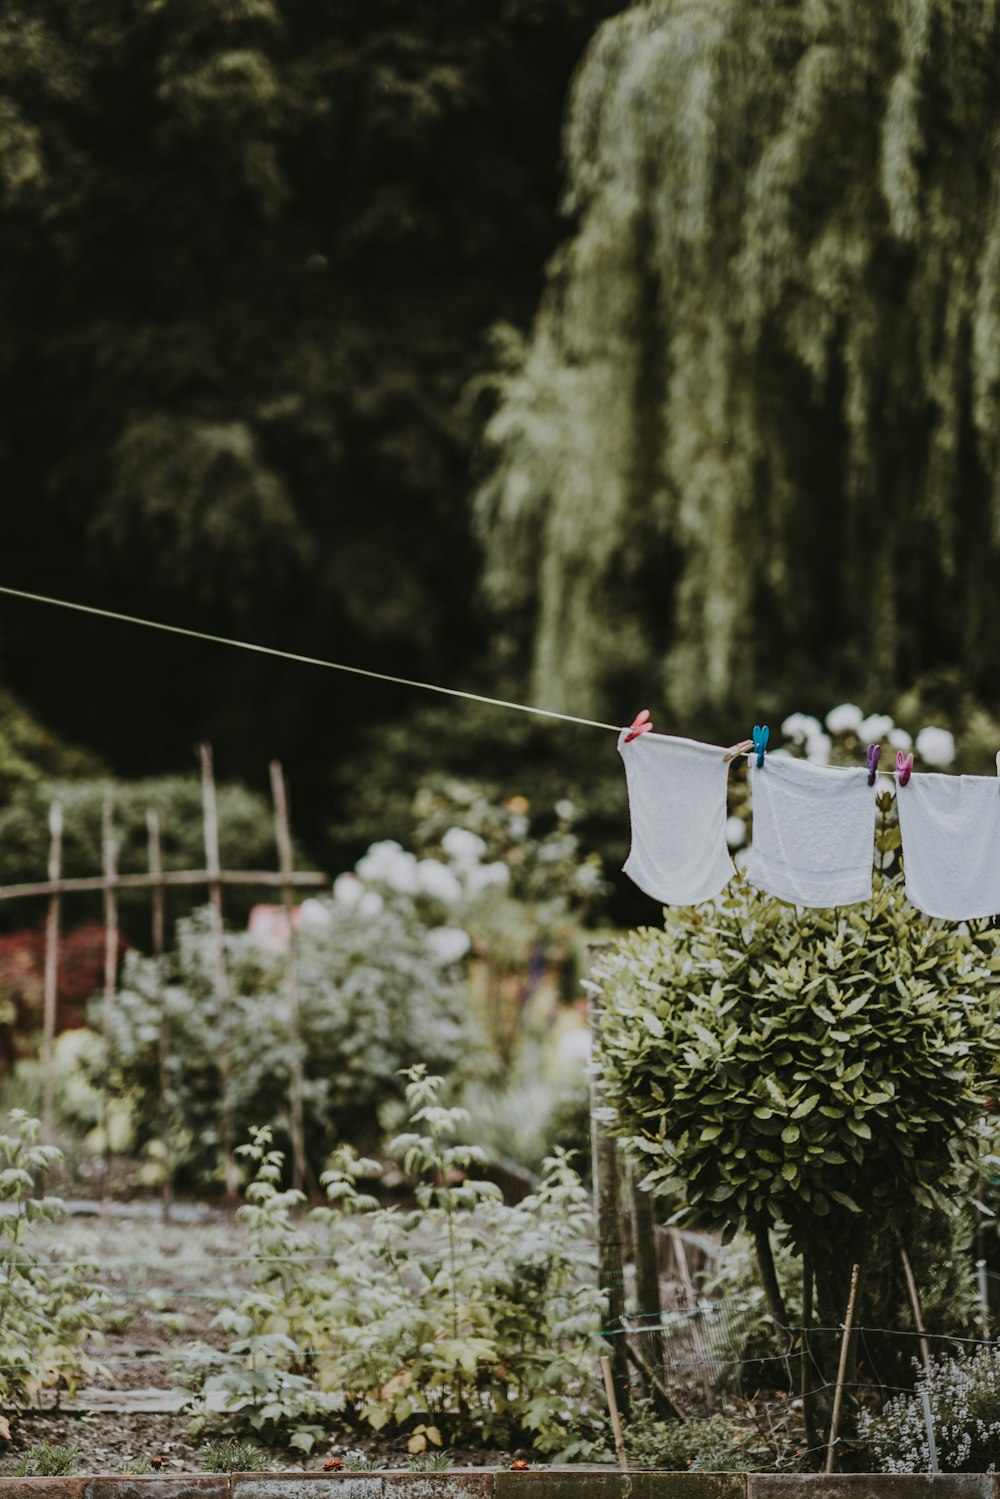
(874, 755)
(760, 738)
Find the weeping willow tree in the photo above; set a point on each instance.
(754, 439)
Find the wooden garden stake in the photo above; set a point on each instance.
(607, 1199)
(110, 976)
(210, 816)
(911, 1288)
(647, 1282)
(51, 970)
(284, 840)
(842, 1369)
(616, 1425)
(159, 925)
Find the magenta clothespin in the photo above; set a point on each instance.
(904, 767)
(639, 725)
(874, 755)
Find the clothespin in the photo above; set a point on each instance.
(904, 767)
(874, 755)
(743, 748)
(760, 737)
(639, 725)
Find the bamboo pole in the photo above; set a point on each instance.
(301, 879)
(163, 1046)
(616, 1425)
(842, 1369)
(608, 1207)
(283, 836)
(210, 816)
(911, 1290)
(51, 972)
(108, 852)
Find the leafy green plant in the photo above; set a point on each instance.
(819, 1071)
(46, 1460)
(49, 1310)
(430, 1462)
(462, 1315)
(723, 1442)
(964, 1393)
(356, 1461)
(231, 1455)
(373, 995)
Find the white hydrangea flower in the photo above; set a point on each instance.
(875, 727)
(565, 809)
(463, 847)
(386, 863)
(370, 905)
(800, 727)
(736, 832)
(846, 718)
(439, 882)
(484, 876)
(316, 912)
(818, 749)
(447, 944)
(936, 747)
(347, 890)
(899, 739)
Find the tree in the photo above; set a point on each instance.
(751, 446)
(807, 1071)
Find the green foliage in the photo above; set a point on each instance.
(372, 996)
(818, 1070)
(769, 347)
(729, 1442)
(462, 1315)
(246, 836)
(231, 1455)
(48, 1310)
(430, 1462)
(964, 1396)
(46, 1460)
(356, 1461)
(28, 751)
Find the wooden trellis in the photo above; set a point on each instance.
(214, 878)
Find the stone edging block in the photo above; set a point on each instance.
(489, 1483)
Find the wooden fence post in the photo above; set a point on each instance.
(110, 976)
(158, 894)
(283, 835)
(211, 825)
(51, 972)
(607, 1200)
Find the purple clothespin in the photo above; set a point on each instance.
(904, 767)
(874, 755)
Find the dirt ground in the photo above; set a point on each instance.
(167, 1280)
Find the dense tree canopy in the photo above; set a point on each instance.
(754, 440)
(249, 250)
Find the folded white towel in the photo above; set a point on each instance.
(677, 803)
(813, 832)
(950, 827)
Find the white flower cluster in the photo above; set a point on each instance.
(387, 870)
(934, 746)
(965, 1410)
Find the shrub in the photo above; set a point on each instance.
(964, 1396)
(46, 1460)
(463, 1317)
(817, 1070)
(372, 997)
(47, 1311)
(725, 1442)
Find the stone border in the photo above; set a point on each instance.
(494, 1483)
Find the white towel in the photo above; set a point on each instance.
(813, 832)
(677, 803)
(950, 827)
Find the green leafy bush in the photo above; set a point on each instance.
(724, 1442)
(817, 1070)
(48, 1310)
(964, 1396)
(463, 1317)
(46, 1460)
(373, 995)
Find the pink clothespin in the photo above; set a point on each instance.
(639, 725)
(904, 767)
